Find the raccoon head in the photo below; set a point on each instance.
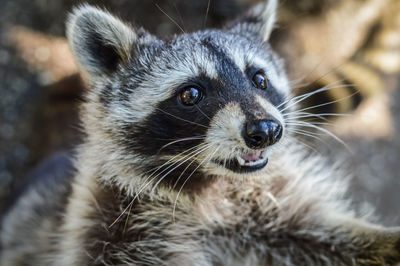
(197, 105)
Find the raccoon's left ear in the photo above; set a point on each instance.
(259, 20)
(100, 41)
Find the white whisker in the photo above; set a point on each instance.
(183, 139)
(307, 145)
(304, 96)
(145, 185)
(182, 119)
(198, 152)
(184, 183)
(171, 159)
(306, 124)
(306, 134)
(201, 111)
(319, 115)
(328, 103)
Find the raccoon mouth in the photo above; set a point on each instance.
(248, 162)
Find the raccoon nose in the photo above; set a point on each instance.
(262, 133)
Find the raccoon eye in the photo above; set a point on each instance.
(260, 81)
(191, 95)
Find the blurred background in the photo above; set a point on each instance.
(350, 46)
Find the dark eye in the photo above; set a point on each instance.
(191, 95)
(260, 81)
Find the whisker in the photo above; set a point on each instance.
(198, 152)
(201, 111)
(301, 97)
(176, 162)
(319, 115)
(180, 16)
(306, 134)
(180, 118)
(291, 121)
(273, 199)
(181, 140)
(173, 21)
(169, 164)
(306, 124)
(184, 170)
(127, 219)
(324, 88)
(290, 116)
(177, 196)
(140, 191)
(307, 145)
(171, 159)
(328, 103)
(313, 70)
(309, 94)
(205, 18)
(327, 73)
(297, 122)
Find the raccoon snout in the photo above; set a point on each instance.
(262, 133)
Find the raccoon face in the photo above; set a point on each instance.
(205, 102)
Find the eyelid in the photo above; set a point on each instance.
(252, 70)
(197, 83)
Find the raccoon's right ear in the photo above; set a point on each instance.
(258, 21)
(98, 40)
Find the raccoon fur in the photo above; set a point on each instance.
(189, 159)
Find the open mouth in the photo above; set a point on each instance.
(247, 162)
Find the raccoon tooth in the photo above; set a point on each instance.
(240, 160)
(253, 163)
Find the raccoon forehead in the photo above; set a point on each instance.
(241, 49)
(246, 52)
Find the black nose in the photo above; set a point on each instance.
(262, 133)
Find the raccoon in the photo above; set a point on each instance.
(189, 159)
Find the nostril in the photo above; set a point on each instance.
(262, 133)
(278, 132)
(274, 132)
(257, 139)
(255, 135)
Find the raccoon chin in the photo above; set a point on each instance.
(247, 162)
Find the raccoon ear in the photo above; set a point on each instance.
(98, 40)
(259, 20)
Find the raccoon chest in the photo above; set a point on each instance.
(198, 235)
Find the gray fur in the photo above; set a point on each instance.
(116, 212)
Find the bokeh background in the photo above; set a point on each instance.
(351, 46)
